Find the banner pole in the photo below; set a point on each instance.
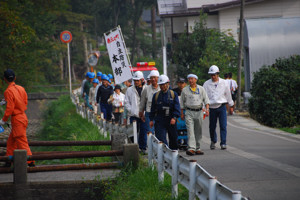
(125, 47)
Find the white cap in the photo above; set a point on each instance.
(213, 69)
(154, 73)
(192, 76)
(138, 75)
(163, 79)
(148, 77)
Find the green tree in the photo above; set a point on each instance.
(196, 52)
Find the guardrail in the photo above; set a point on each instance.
(106, 128)
(188, 173)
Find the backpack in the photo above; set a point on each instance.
(157, 94)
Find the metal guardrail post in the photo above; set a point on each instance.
(160, 162)
(174, 174)
(135, 132)
(150, 149)
(237, 195)
(192, 177)
(212, 188)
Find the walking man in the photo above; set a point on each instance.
(132, 104)
(219, 95)
(165, 110)
(16, 104)
(193, 99)
(146, 99)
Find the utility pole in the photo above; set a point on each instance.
(240, 57)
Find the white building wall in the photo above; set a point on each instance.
(199, 3)
(179, 24)
(229, 18)
(212, 21)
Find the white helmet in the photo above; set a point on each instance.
(138, 75)
(213, 69)
(163, 79)
(154, 73)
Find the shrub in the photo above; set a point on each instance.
(275, 93)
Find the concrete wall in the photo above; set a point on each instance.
(54, 190)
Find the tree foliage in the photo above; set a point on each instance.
(275, 93)
(196, 52)
(30, 30)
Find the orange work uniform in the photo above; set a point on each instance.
(16, 104)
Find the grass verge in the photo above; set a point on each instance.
(294, 130)
(61, 122)
(142, 184)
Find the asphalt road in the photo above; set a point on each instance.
(261, 162)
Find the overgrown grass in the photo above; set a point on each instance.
(142, 184)
(61, 122)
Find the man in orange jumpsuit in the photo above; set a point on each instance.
(16, 104)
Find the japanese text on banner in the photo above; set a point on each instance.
(117, 55)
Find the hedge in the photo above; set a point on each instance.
(275, 93)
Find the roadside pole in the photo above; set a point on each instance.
(69, 64)
(240, 57)
(66, 37)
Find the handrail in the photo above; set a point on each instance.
(188, 173)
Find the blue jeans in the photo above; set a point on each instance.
(147, 121)
(142, 132)
(107, 110)
(214, 114)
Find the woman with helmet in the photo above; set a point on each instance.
(103, 94)
(87, 86)
(117, 101)
(93, 104)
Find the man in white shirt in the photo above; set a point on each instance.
(219, 95)
(146, 99)
(132, 104)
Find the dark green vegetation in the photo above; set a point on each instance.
(142, 183)
(30, 42)
(61, 122)
(204, 47)
(276, 94)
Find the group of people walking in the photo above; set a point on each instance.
(156, 107)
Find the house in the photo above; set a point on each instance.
(179, 16)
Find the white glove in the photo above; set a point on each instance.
(2, 102)
(2, 123)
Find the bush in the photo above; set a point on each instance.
(275, 94)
